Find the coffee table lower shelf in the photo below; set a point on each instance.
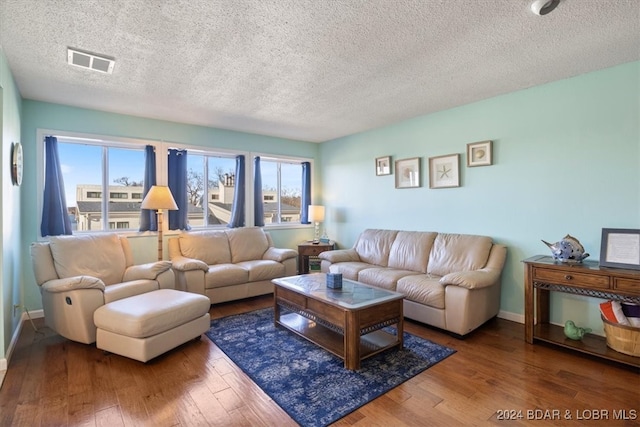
(332, 341)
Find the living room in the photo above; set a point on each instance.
(566, 160)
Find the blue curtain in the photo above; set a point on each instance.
(178, 186)
(237, 210)
(258, 203)
(148, 219)
(306, 193)
(55, 217)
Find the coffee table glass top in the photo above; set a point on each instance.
(352, 295)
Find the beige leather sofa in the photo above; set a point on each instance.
(78, 274)
(450, 281)
(231, 264)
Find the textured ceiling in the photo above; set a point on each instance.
(310, 70)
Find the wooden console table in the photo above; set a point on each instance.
(544, 275)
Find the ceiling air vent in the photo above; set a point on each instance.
(90, 61)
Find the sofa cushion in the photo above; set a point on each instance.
(458, 252)
(349, 270)
(212, 247)
(247, 244)
(410, 250)
(423, 289)
(382, 277)
(373, 246)
(221, 275)
(262, 269)
(97, 255)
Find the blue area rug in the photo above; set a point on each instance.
(309, 383)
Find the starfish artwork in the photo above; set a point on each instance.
(444, 172)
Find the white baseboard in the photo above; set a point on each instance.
(514, 317)
(35, 314)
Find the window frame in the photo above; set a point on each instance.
(162, 150)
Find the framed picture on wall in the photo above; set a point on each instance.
(408, 173)
(444, 171)
(479, 154)
(383, 165)
(620, 248)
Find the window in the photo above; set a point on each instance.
(95, 167)
(281, 190)
(219, 170)
(92, 168)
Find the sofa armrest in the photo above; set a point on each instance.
(149, 271)
(182, 263)
(471, 279)
(73, 283)
(483, 277)
(340, 255)
(279, 254)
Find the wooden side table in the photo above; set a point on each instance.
(543, 275)
(309, 249)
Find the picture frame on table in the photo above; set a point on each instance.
(620, 248)
(383, 165)
(444, 171)
(479, 154)
(408, 173)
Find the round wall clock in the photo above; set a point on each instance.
(16, 163)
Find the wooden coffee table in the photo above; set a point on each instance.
(347, 322)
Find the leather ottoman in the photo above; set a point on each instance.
(144, 326)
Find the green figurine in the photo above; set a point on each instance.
(574, 332)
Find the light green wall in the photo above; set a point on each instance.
(566, 160)
(40, 115)
(10, 217)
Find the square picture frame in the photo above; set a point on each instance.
(408, 173)
(444, 171)
(479, 154)
(383, 165)
(620, 248)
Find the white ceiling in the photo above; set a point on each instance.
(310, 70)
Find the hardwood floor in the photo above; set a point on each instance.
(493, 379)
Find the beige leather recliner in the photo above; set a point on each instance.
(77, 274)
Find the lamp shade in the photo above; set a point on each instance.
(159, 197)
(316, 213)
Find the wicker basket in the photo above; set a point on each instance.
(622, 338)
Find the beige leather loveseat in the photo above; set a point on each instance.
(450, 281)
(231, 264)
(78, 274)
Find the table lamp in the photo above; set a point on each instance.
(159, 198)
(316, 215)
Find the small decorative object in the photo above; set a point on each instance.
(444, 171)
(620, 248)
(408, 173)
(574, 332)
(479, 154)
(567, 250)
(383, 165)
(16, 163)
(334, 280)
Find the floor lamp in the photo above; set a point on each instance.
(159, 198)
(316, 215)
